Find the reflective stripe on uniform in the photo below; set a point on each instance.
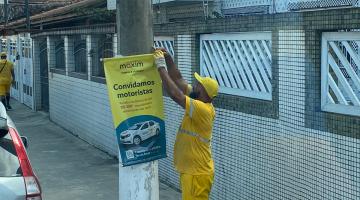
(194, 135)
(191, 108)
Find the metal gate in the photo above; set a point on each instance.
(19, 50)
(26, 72)
(12, 52)
(44, 77)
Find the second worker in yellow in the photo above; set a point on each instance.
(7, 77)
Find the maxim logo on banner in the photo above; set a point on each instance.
(131, 64)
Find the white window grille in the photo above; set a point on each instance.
(26, 48)
(104, 49)
(241, 7)
(240, 62)
(13, 50)
(319, 4)
(80, 54)
(13, 47)
(340, 62)
(279, 6)
(3, 45)
(245, 3)
(165, 42)
(179, 1)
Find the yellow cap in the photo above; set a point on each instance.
(2, 54)
(211, 86)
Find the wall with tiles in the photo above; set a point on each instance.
(264, 158)
(82, 107)
(298, 151)
(282, 155)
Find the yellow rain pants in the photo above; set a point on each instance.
(196, 187)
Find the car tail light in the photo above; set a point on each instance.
(33, 189)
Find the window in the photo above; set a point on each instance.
(3, 45)
(9, 162)
(340, 62)
(135, 127)
(240, 7)
(151, 123)
(80, 55)
(13, 48)
(26, 48)
(316, 4)
(59, 54)
(240, 62)
(22, 47)
(13, 51)
(105, 50)
(145, 126)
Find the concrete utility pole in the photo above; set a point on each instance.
(6, 11)
(134, 26)
(27, 12)
(135, 36)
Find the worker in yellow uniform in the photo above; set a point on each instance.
(192, 151)
(7, 77)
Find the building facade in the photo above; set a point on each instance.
(288, 113)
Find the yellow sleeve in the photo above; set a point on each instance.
(187, 105)
(195, 107)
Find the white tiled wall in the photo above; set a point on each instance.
(255, 157)
(82, 107)
(262, 158)
(37, 74)
(184, 55)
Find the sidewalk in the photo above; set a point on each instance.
(68, 167)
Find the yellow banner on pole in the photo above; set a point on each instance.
(135, 93)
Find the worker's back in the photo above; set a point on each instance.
(192, 151)
(6, 67)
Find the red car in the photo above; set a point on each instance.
(17, 179)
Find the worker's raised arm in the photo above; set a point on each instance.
(171, 88)
(174, 72)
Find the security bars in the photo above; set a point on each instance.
(165, 42)
(240, 62)
(340, 73)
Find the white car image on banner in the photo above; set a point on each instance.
(140, 132)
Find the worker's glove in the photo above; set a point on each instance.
(159, 59)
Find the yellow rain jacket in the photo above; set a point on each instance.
(5, 75)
